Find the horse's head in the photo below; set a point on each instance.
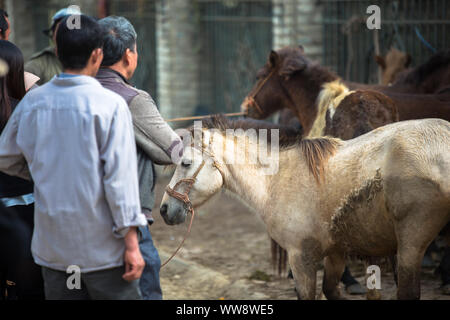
(197, 178)
(393, 64)
(269, 94)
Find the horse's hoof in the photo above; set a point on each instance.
(373, 294)
(355, 288)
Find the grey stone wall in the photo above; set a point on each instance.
(298, 22)
(23, 15)
(177, 26)
(21, 24)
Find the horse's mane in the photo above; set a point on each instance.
(288, 135)
(436, 62)
(316, 151)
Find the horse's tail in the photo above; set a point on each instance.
(279, 258)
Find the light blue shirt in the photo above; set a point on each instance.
(78, 142)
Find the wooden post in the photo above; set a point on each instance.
(376, 43)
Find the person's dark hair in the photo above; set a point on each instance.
(5, 104)
(51, 31)
(75, 45)
(3, 23)
(13, 84)
(119, 36)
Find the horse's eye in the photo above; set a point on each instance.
(186, 164)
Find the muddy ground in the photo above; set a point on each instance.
(227, 246)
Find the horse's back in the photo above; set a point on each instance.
(417, 166)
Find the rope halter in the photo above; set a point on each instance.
(184, 197)
(250, 99)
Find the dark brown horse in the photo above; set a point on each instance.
(290, 80)
(432, 77)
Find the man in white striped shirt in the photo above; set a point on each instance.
(76, 140)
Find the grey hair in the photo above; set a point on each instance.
(119, 36)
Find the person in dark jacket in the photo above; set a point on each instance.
(45, 63)
(21, 278)
(155, 139)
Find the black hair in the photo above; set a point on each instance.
(5, 104)
(119, 36)
(75, 46)
(3, 23)
(52, 29)
(12, 85)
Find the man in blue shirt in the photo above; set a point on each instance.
(76, 140)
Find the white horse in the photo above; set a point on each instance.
(386, 192)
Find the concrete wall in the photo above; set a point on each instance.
(23, 24)
(177, 26)
(298, 22)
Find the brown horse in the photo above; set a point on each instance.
(431, 77)
(359, 112)
(392, 64)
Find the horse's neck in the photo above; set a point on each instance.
(251, 187)
(266, 194)
(246, 180)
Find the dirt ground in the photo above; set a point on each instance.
(227, 245)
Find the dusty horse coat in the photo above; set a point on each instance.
(386, 192)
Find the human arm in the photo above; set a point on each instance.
(12, 161)
(118, 155)
(153, 134)
(134, 263)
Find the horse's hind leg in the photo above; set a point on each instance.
(409, 267)
(414, 235)
(334, 266)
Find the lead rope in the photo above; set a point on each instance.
(250, 99)
(234, 114)
(184, 197)
(184, 239)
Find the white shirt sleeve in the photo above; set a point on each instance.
(118, 154)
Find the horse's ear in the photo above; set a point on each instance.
(292, 65)
(408, 60)
(273, 58)
(380, 61)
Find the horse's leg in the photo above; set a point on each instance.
(414, 234)
(412, 241)
(279, 258)
(304, 264)
(393, 261)
(334, 266)
(409, 259)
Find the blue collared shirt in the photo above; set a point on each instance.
(78, 142)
